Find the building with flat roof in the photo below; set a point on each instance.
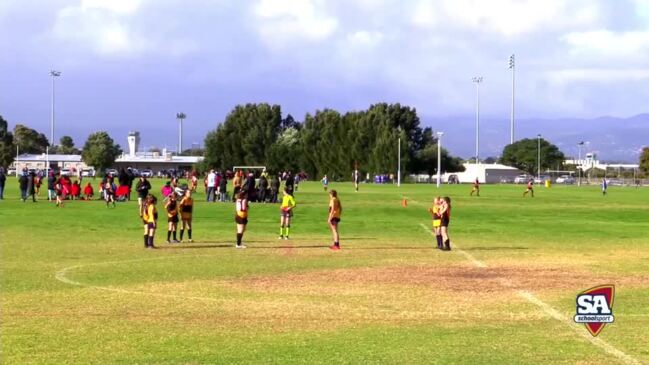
(156, 161)
(484, 172)
(57, 162)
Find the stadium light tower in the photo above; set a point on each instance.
(538, 156)
(580, 166)
(399, 160)
(439, 158)
(477, 80)
(54, 75)
(512, 66)
(180, 116)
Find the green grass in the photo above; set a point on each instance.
(78, 288)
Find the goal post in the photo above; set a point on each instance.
(235, 168)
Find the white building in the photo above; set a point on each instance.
(485, 173)
(58, 162)
(591, 162)
(155, 161)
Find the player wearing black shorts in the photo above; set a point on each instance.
(445, 214)
(335, 211)
(530, 188)
(241, 216)
(172, 217)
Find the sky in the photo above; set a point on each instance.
(133, 64)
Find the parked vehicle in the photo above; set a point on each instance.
(146, 173)
(541, 179)
(506, 180)
(88, 173)
(65, 172)
(565, 179)
(112, 172)
(11, 171)
(522, 179)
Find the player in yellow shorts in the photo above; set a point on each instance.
(286, 212)
(150, 216)
(437, 221)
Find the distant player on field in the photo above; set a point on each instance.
(604, 186)
(286, 212)
(476, 187)
(530, 188)
(335, 211)
(437, 221)
(445, 215)
(357, 179)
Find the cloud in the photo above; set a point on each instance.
(608, 43)
(283, 21)
(506, 17)
(598, 75)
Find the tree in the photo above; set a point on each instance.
(245, 138)
(644, 161)
(7, 147)
(100, 151)
(523, 155)
(65, 147)
(29, 140)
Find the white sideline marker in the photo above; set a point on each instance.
(550, 311)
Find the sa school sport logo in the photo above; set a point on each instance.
(595, 308)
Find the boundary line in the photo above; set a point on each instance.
(550, 311)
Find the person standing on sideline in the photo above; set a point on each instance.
(325, 182)
(186, 210)
(3, 179)
(274, 188)
(357, 179)
(530, 188)
(51, 186)
(286, 212)
(223, 187)
(476, 187)
(31, 186)
(604, 186)
(22, 184)
(211, 183)
(445, 214)
(335, 211)
(289, 183)
(143, 186)
(241, 216)
(263, 188)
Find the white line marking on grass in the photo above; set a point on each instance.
(61, 276)
(550, 311)
(455, 247)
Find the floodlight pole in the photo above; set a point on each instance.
(399, 160)
(512, 66)
(580, 167)
(54, 75)
(439, 158)
(538, 156)
(180, 116)
(477, 80)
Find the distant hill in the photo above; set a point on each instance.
(613, 139)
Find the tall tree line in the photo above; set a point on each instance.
(327, 142)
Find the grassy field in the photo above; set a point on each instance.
(78, 287)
